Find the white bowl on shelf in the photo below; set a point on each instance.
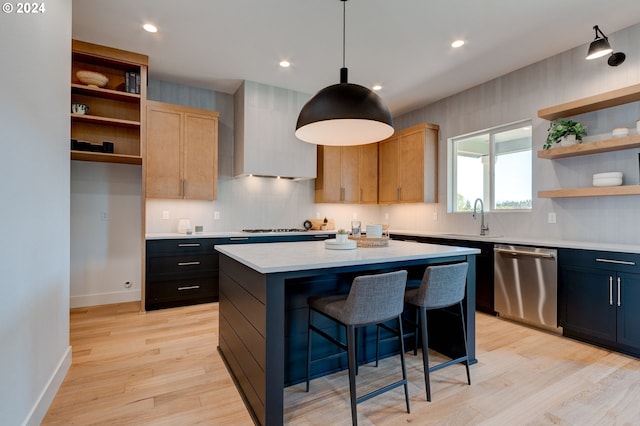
(92, 78)
(620, 132)
(607, 179)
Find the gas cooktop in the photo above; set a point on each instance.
(274, 230)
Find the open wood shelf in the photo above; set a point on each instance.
(595, 191)
(106, 158)
(105, 120)
(609, 145)
(105, 93)
(592, 103)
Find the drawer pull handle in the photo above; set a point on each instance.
(189, 245)
(610, 291)
(238, 238)
(190, 287)
(618, 262)
(188, 263)
(618, 291)
(322, 236)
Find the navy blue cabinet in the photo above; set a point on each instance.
(599, 294)
(484, 266)
(184, 271)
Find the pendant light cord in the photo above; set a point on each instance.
(344, 31)
(343, 70)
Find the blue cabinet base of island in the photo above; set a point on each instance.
(263, 324)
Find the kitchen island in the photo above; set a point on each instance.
(263, 311)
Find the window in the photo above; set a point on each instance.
(494, 165)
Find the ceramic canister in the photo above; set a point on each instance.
(374, 231)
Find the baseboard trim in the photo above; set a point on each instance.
(40, 408)
(105, 298)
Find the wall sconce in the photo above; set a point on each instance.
(600, 47)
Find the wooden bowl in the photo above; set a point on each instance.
(92, 78)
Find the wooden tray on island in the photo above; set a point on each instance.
(370, 242)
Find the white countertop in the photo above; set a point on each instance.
(527, 241)
(299, 256)
(230, 234)
(498, 239)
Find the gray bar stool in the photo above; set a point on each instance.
(373, 299)
(442, 286)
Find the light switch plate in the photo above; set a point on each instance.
(165, 214)
(551, 217)
(216, 215)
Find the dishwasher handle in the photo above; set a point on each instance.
(543, 255)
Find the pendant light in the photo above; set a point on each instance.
(344, 113)
(600, 47)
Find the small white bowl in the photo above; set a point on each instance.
(620, 132)
(607, 182)
(617, 175)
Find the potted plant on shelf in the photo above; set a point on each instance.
(565, 130)
(342, 236)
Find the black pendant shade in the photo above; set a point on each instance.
(600, 47)
(344, 113)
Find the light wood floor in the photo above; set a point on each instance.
(162, 368)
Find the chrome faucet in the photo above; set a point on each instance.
(483, 228)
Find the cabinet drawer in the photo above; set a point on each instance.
(181, 246)
(612, 261)
(182, 265)
(182, 289)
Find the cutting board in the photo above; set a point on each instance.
(316, 224)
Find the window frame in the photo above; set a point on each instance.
(452, 175)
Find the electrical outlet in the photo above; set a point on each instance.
(104, 216)
(216, 215)
(386, 216)
(434, 215)
(165, 214)
(551, 217)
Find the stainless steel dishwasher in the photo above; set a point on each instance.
(526, 285)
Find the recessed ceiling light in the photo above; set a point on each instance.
(457, 43)
(377, 87)
(150, 28)
(285, 64)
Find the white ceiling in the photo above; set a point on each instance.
(402, 44)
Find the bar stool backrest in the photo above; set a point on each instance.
(375, 298)
(442, 286)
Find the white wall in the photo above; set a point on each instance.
(520, 95)
(34, 254)
(106, 230)
(245, 202)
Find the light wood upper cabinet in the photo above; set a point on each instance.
(368, 172)
(115, 114)
(408, 166)
(347, 174)
(181, 158)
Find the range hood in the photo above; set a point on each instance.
(265, 143)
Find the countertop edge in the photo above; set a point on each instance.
(229, 250)
(497, 239)
(527, 241)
